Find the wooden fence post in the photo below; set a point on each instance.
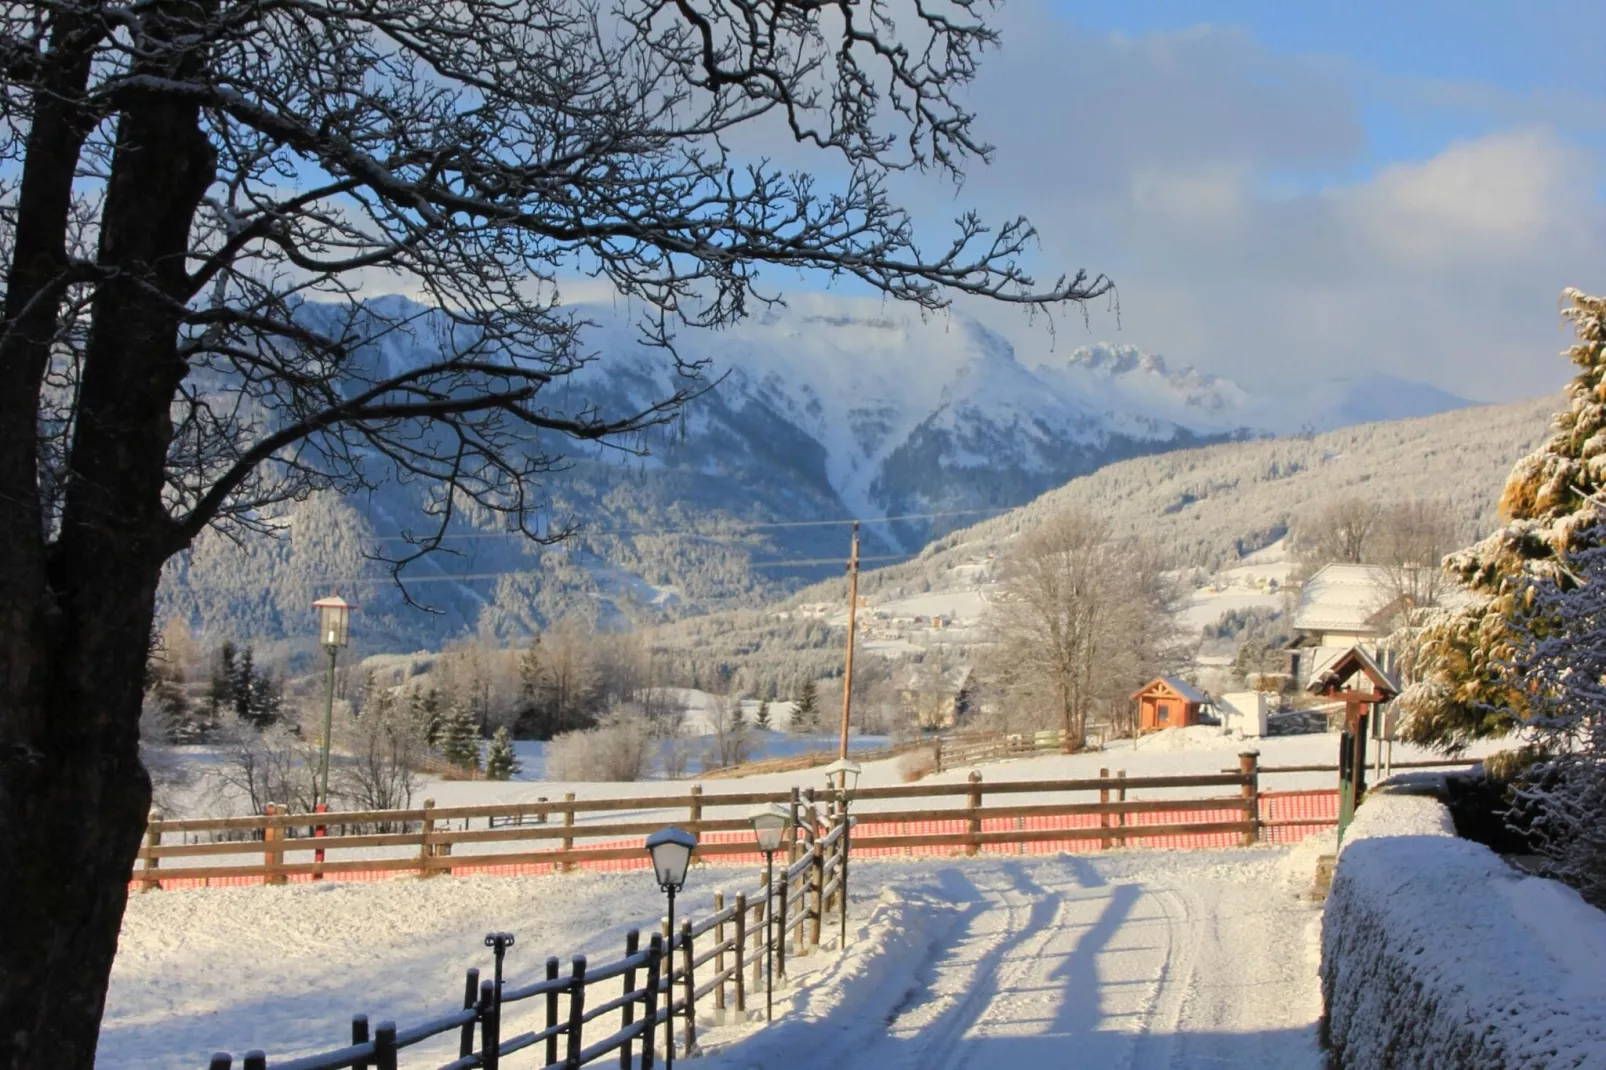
(1249, 766)
(740, 975)
(1104, 817)
(551, 1012)
(936, 752)
(627, 1013)
(973, 825)
(791, 848)
(719, 958)
(780, 928)
(759, 917)
(1120, 795)
(690, 960)
(696, 810)
(816, 893)
(273, 852)
(153, 839)
(568, 829)
(577, 1011)
(426, 848)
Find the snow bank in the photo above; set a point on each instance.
(1437, 953)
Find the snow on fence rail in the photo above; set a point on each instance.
(429, 843)
(805, 890)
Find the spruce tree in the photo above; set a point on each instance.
(762, 718)
(1459, 660)
(500, 761)
(806, 714)
(460, 738)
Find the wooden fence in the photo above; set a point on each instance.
(972, 817)
(728, 944)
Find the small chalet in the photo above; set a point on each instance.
(1168, 702)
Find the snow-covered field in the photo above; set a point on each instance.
(1131, 959)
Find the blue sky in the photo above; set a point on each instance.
(1290, 190)
(1542, 51)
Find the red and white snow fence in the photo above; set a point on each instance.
(1436, 953)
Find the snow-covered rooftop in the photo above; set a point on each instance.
(1345, 598)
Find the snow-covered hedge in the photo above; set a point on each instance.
(1435, 953)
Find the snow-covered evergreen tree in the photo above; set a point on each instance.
(762, 717)
(1459, 660)
(806, 714)
(460, 738)
(1562, 665)
(500, 761)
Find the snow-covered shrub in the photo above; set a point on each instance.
(1436, 953)
(620, 748)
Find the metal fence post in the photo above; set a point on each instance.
(552, 1011)
(385, 1046)
(655, 955)
(359, 1035)
(689, 960)
(471, 990)
(490, 1028)
(627, 1013)
(577, 1010)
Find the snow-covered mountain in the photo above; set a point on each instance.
(827, 408)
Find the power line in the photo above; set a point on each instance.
(735, 528)
(465, 577)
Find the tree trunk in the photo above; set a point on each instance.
(73, 796)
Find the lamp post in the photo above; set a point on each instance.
(671, 850)
(334, 632)
(770, 822)
(843, 775)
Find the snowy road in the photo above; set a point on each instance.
(1139, 962)
(1131, 960)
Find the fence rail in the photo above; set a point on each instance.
(575, 1010)
(971, 817)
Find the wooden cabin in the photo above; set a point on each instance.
(1168, 702)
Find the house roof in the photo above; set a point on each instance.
(1188, 692)
(1344, 598)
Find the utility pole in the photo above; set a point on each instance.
(853, 604)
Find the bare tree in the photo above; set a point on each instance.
(1338, 532)
(1412, 539)
(732, 738)
(1079, 621)
(198, 194)
(384, 745)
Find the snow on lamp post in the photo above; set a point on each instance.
(770, 822)
(843, 775)
(671, 850)
(334, 632)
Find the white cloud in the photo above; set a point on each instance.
(1159, 160)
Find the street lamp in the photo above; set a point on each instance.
(334, 632)
(770, 822)
(671, 850)
(843, 775)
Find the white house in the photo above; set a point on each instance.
(1340, 607)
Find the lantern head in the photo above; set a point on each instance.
(770, 822)
(334, 621)
(671, 850)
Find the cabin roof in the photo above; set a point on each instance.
(1181, 687)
